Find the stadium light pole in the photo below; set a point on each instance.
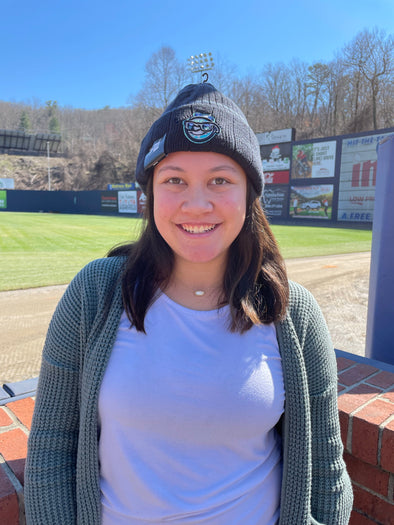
(49, 168)
(201, 63)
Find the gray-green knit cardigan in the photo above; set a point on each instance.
(62, 482)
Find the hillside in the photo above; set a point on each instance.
(76, 173)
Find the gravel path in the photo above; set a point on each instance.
(339, 283)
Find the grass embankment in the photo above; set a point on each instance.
(39, 249)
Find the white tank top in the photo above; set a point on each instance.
(187, 415)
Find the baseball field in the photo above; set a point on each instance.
(39, 249)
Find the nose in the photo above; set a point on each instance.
(197, 200)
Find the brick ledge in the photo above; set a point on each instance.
(366, 414)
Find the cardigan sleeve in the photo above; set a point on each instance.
(52, 447)
(331, 494)
(51, 473)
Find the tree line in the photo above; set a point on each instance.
(353, 92)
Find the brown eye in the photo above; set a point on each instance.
(219, 181)
(174, 180)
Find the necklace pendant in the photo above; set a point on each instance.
(199, 293)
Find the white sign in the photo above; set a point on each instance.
(357, 179)
(272, 137)
(324, 159)
(127, 201)
(7, 184)
(313, 160)
(311, 192)
(276, 164)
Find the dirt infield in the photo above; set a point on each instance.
(339, 283)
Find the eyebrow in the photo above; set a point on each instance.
(224, 167)
(220, 167)
(170, 167)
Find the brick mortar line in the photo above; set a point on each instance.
(372, 492)
(385, 390)
(372, 374)
(369, 401)
(339, 372)
(10, 474)
(12, 426)
(349, 437)
(384, 423)
(391, 488)
(347, 388)
(17, 487)
(16, 421)
(370, 518)
(382, 426)
(363, 381)
(379, 451)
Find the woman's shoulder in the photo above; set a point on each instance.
(303, 308)
(98, 275)
(299, 296)
(104, 268)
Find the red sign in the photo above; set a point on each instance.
(364, 174)
(276, 177)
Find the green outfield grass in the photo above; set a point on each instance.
(38, 249)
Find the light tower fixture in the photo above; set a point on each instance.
(201, 62)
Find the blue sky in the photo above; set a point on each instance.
(90, 54)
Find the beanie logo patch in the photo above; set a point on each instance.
(200, 128)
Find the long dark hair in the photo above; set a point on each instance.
(255, 282)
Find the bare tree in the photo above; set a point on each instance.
(248, 95)
(274, 83)
(354, 92)
(386, 103)
(298, 73)
(371, 56)
(318, 75)
(223, 74)
(164, 76)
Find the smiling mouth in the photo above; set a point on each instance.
(200, 228)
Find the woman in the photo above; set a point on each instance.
(183, 379)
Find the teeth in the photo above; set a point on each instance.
(198, 229)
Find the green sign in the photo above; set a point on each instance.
(3, 199)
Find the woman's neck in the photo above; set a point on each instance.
(197, 286)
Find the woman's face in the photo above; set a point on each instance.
(199, 204)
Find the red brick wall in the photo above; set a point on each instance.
(15, 422)
(366, 412)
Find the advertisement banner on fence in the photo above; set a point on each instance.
(3, 199)
(276, 177)
(275, 201)
(314, 160)
(121, 186)
(313, 202)
(276, 136)
(109, 201)
(357, 178)
(276, 157)
(141, 202)
(127, 201)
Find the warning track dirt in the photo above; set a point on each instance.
(339, 283)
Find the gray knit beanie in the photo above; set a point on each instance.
(200, 118)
